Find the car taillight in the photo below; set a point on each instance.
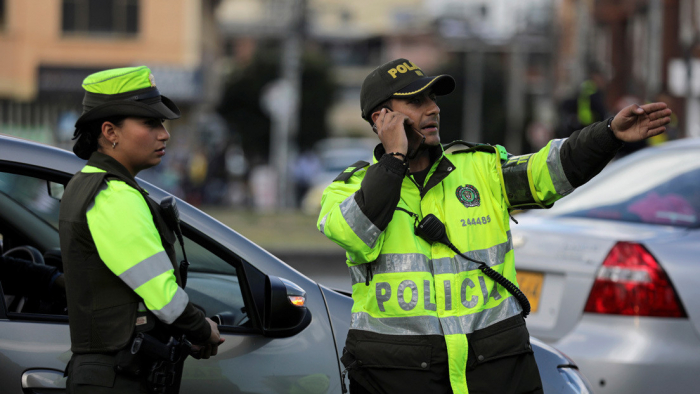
(631, 282)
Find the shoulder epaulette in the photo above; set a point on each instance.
(473, 147)
(347, 174)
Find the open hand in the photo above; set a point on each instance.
(636, 123)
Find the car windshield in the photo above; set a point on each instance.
(662, 187)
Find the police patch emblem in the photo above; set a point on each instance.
(469, 196)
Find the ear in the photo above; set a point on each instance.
(109, 132)
(375, 116)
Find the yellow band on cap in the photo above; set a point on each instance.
(419, 90)
(118, 80)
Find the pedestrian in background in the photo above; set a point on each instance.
(433, 318)
(121, 275)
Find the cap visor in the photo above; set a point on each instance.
(164, 109)
(440, 85)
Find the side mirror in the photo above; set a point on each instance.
(55, 190)
(285, 308)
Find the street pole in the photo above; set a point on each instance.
(516, 97)
(285, 125)
(473, 94)
(656, 32)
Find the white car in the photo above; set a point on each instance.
(613, 275)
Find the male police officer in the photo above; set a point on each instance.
(426, 319)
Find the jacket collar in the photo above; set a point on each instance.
(113, 168)
(435, 152)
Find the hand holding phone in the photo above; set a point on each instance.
(392, 128)
(394, 137)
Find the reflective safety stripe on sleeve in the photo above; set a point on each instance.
(173, 309)
(556, 171)
(146, 270)
(358, 222)
(322, 225)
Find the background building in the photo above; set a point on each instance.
(49, 47)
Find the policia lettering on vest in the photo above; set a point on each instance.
(131, 322)
(428, 242)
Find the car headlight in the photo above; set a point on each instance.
(577, 382)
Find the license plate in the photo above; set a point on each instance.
(531, 285)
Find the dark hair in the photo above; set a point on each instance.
(89, 136)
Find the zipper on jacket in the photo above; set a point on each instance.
(369, 275)
(342, 377)
(420, 188)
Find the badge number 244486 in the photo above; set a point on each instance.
(475, 221)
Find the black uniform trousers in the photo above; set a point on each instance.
(500, 361)
(510, 375)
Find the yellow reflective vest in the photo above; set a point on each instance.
(401, 284)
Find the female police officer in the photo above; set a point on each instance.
(117, 251)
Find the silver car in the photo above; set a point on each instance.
(613, 275)
(272, 346)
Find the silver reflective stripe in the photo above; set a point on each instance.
(357, 273)
(322, 225)
(412, 325)
(451, 325)
(174, 308)
(432, 325)
(391, 263)
(146, 270)
(491, 256)
(102, 187)
(508, 308)
(556, 171)
(358, 222)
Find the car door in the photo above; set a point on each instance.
(34, 337)
(229, 277)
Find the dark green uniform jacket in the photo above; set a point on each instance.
(119, 259)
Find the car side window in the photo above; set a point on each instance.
(30, 267)
(212, 282)
(675, 202)
(659, 188)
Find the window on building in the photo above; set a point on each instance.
(101, 16)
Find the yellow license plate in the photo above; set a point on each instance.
(531, 284)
